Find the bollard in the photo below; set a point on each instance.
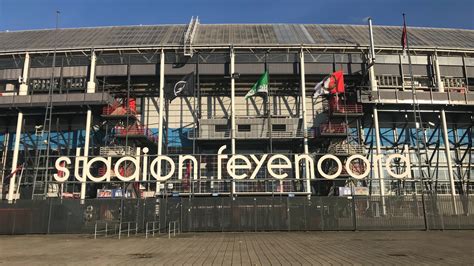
(146, 231)
(128, 229)
(95, 231)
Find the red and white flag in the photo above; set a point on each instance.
(333, 84)
(404, 37)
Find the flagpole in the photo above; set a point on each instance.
(414, 97)
(232, 100)
(417, 125)
(198, 115)
(378, 144)
(269, 117)
(195, 112)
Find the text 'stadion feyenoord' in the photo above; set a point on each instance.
(249, 164)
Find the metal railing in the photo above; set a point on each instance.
(113, 110)
(331, 129)
(63, 99)
(151, 228)
(173, 228)
(346, 149)
(130, 227)
(116, 151)
(256, 134)
(349, 109)
(135, 130)
(105, 229)
(433, 96)
(420, 210)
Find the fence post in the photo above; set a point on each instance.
(181, 210)
(425, 220)
(321, 202)
(288, 212)
(120, 229)
(49, 215)
(146, 231)
(255, 213)
(354, 217)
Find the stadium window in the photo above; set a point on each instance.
(279, 128)
(221, 128)
(244, 128)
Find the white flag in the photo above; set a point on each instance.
(321, 88)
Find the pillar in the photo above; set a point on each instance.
(91, 87)
(303, 112)
(444, 125)
(23, 91)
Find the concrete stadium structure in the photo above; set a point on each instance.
(60, 90)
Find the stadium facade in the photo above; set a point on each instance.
(176, 90)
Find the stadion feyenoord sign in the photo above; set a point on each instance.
(273, 162)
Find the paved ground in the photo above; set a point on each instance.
(275, 248)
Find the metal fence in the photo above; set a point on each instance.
(261, 213)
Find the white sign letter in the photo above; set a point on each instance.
(271, 166)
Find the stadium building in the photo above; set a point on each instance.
(103, 121)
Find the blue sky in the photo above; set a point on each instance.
(39, 14)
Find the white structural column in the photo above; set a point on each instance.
(378, 161)
(86, 152)
(373, 85)
(160, 112)
(23, 91)
(24, 76)
(303, 101)
(91, 87)
(444, 124)
(161, 102)
(232, 107)
(303, 113)
(447, 150)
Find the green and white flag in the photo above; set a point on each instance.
(261, 86)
